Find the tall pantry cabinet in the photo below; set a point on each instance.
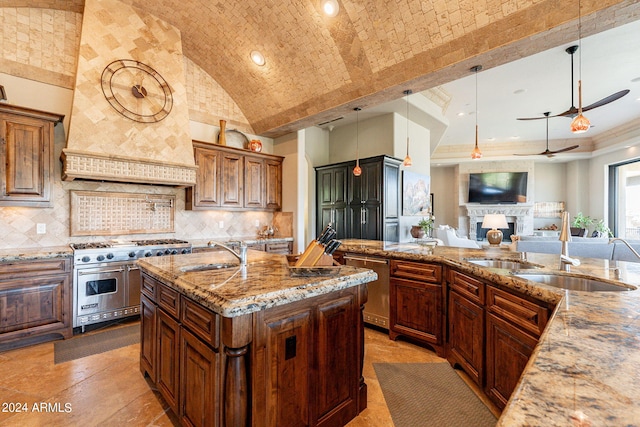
(360, 207)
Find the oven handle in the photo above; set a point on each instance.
(132, 267)
(85, 273)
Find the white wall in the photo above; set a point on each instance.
(444, 188)
(550, 186)
(375, 137)
(316, 154)
(294, 185)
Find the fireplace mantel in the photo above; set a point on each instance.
(520, 214)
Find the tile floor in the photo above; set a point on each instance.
(108, 390)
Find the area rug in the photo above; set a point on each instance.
(95, 343)
(430, 395)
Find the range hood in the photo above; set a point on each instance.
(103, 143)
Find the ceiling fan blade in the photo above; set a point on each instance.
(605, 101)
(571, 112)
(562, 150)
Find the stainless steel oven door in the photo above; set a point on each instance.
(98, 290)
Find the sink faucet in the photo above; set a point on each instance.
(628, 245)
(242, 256)
(565, 237)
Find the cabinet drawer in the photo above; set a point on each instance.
(467, 286)
(148, 287)
(168, 299)
(522, 313)
(279, 248)
(202, 322)
(416, 271)
(31, 268)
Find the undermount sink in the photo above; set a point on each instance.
(502, 263)
(208, 267)
(574, 283)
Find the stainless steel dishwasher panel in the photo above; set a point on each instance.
(376, 310)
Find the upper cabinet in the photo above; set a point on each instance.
(235, 179)
(26, 156)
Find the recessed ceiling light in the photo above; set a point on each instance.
(491, 139)
(514, 137)
(519, 91)
(330, 7)
(257, 57)
(637, 79)
(461, 113)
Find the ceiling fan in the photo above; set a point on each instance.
(573, 111)
(547, 152)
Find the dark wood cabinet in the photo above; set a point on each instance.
(26, 156)
(363, 207)
(466, 336)
(296, 364)
(235, 179)
(514, 325)
(35, 301)
(416, 297)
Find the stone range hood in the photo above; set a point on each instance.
(104, 145)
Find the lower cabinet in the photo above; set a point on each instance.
(492, 333)
(417, 297)
(294, 365)
(35, 301)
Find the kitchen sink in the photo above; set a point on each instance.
(507, 264)
(208, 267)
(574, 283)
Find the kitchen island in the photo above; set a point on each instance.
(258, 345)
(585, 368)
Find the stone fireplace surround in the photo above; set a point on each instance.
(519, 214)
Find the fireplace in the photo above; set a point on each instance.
(481, 233)
(519, 217)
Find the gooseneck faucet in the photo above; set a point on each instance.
(565, 237)
(626, 243)
(242, 255)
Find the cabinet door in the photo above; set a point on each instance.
(273, 184)
(332, 199)
(27, 157)
(206, 192)
(415, 310)
(254, 176)
(168, 359)
(232, 174)
(199, 382)
(466, 335)
(148, 337)
(508, 351)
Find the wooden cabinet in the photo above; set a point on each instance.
(363, 207)
(284, 248)
(296, 364)
(234, 179)
(35, 301)
(417, 297)
(514, 325)
(26, 156)
(179, 352)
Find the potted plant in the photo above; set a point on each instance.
(601, 229)
(425, 225)
(580, 224)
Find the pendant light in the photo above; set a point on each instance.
(580, 124)
(357, 171)
(476, 153)
(407, 160)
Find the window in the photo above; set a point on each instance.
(624, 199)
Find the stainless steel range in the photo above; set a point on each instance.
(106, 280)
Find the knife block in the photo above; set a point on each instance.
(314, 255)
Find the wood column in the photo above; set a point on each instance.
(236, 337)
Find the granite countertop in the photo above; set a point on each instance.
(267, 280)
(26, 254)
(249, 240)
(585, 369)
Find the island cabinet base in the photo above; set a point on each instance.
(298, 364)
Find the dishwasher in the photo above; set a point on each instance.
(376, 310)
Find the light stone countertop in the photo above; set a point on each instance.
(267, 280)
(249, 240)
(26, 254)
(586, 367)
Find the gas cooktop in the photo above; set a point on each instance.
(127, 243)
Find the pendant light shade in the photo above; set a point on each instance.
(357, 171)
(476, 153)
(407, 160)
(580, 124)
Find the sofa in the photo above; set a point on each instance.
(450, 238)
(590, 247)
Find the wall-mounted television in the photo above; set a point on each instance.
(498, 187)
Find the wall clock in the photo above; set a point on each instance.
(136, 91)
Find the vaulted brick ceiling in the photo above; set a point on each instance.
(319, 68)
